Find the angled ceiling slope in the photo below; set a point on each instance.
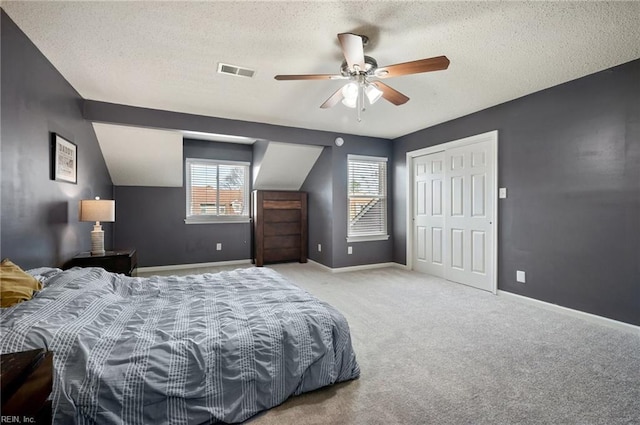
(141, 156)
(285, 166)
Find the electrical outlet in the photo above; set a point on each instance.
(319, 247)
(520, 276)
(502, 193)
(218, 246)
(349, 250)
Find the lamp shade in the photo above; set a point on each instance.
(97, 210)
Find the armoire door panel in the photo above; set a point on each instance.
(275, 242)
(282, 229)
(281, 205)
(281, 216)
(281, 254)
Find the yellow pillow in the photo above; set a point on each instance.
(15, 285)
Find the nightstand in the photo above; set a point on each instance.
(123, 261)
(27, 379)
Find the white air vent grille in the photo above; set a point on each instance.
(224, 68)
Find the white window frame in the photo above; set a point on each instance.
(215, 218)
(373, 237)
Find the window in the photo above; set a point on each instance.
(367, 193)
(217, 191)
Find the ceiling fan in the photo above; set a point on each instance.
(363, 71)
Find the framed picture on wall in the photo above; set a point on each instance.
(64, 155)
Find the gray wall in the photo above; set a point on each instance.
(259, 150)
(570, 158)
(39, 222)
(327, 187)
(151, 219)
(363, 252)
(319, 188)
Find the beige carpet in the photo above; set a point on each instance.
(435, 352)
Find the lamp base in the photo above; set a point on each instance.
(97, 240)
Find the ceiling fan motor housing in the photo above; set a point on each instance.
(370, 65)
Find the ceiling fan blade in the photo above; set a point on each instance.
(390, 94)
(437, 63)
(333, 100)
(352, 50)
(310, 77)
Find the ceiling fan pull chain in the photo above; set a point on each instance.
(362, 106)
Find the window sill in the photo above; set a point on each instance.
(221, 220)
(367, 238)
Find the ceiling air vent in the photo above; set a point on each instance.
(224, 68)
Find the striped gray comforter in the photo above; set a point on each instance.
(178, 350)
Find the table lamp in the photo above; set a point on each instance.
(97, 210)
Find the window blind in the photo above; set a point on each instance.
(217, 189)
(367, 193)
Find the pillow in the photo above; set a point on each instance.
(43, 274)
(15, 285)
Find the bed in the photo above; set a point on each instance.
(195, 349)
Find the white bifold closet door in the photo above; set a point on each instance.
(453, 204)
(428, 172)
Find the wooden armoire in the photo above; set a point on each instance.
(279, 226)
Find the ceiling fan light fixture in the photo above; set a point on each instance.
(350, 95)
(350, 91)
(373, 93)
(350, 102)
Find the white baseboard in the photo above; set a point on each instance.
(355, 268)
(248, 261)
(575, 313)
(192, 266)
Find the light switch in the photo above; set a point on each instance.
(502, 192)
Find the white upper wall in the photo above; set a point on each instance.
(141, 156)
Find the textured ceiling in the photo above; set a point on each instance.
(164, 55)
